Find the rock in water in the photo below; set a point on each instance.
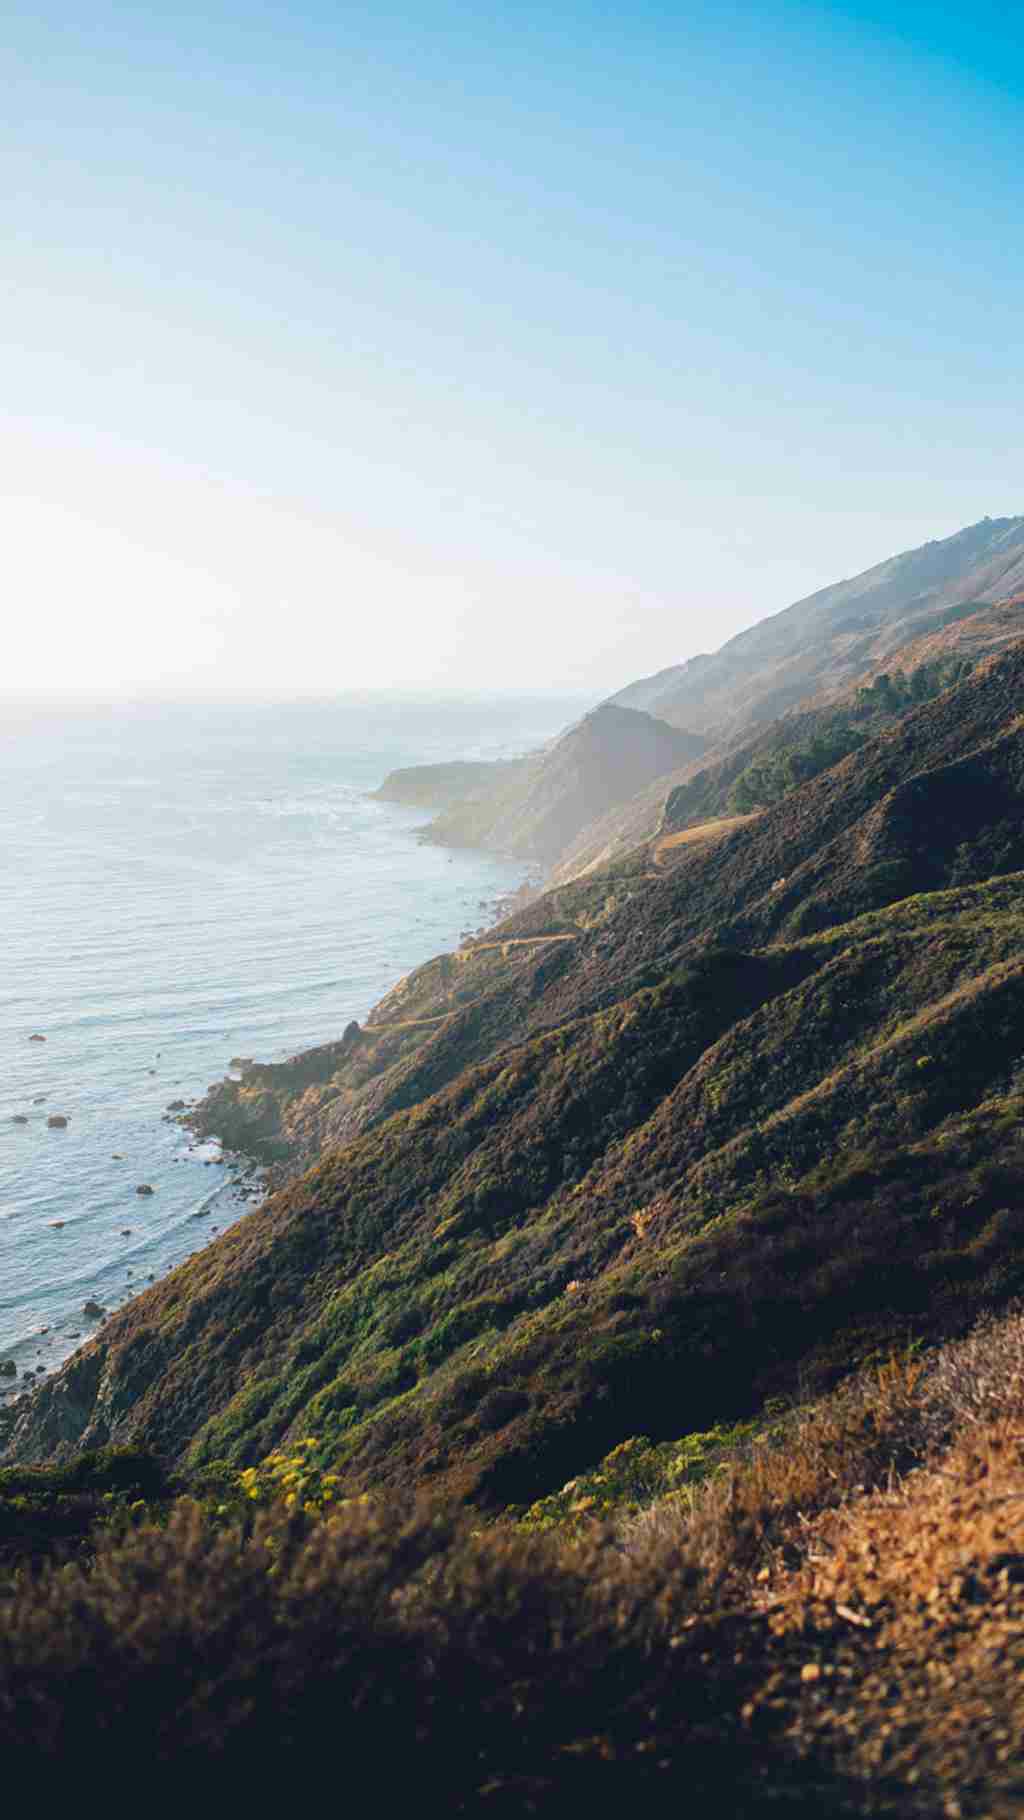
(36, 1038)
(93, 1310)
(56, 1121)
(145, 1188)
(18, 1118)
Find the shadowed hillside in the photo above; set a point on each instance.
(641, 1157)
(818, 1612)
(598, 792)
(804, 740)
(538, 806)
(934, 801)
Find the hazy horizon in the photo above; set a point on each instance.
(447, 352)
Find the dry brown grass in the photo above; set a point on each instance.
(754, 1511)
(834, 1625)
(400, 1655)
(703, 833)
(885, 1540)
(910, 1605)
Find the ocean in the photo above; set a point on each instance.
(184, 883)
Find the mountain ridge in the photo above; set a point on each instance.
(958, 593)
(539, 806)
(655, 1113)
(773, 664)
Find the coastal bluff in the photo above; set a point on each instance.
(438, 786)
(536, 807)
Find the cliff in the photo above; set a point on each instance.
(599, 791)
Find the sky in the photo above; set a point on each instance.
(468, 347)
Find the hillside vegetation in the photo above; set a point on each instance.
(822, 1613)
(686, 734)
(638, 1180)
(805, 739)
(622, 1392)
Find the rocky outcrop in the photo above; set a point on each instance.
(65, 1410)
(250, 1114)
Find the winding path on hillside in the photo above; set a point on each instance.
(704, 831)
(513, 941)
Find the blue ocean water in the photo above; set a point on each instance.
(183, 884)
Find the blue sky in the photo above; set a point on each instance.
(458, 346)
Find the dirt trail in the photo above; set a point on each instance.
(514, 941)
(704, 831)
(405, 1023)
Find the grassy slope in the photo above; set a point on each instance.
(408, 1304)
(840, 845)
(677, 1178)
(827, 1619)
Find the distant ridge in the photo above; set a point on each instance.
(538, 807)
(821, 644)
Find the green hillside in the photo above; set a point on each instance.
(754, 1117)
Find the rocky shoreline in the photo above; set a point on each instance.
(249, 1185)
(273, 1113)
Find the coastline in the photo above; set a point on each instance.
(248, 1111)
(244, 1181)
(77, 1239)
